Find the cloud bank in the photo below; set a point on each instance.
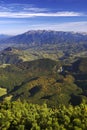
(67, 26)
(29, 14)
(26, 11)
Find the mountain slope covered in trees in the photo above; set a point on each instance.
(44, 80)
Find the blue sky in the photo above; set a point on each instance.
(18, 16)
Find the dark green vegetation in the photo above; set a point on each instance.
(45, 81)
(23, 116)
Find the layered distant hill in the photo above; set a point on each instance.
(46, 44)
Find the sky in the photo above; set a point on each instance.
(19, 16)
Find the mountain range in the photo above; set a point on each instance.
(36, 44)
(40, 37)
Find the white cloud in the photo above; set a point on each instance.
(68, 26)
(28, 10)
(20, 8)
(35, 9)
(29, 14)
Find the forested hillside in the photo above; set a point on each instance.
(44, 81)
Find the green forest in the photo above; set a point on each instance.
(19, 115)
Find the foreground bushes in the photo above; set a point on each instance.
(23, 116)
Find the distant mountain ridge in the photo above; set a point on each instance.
(3, 36)
(56, 45)
(39, 37)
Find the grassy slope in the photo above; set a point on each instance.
(3, 91)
